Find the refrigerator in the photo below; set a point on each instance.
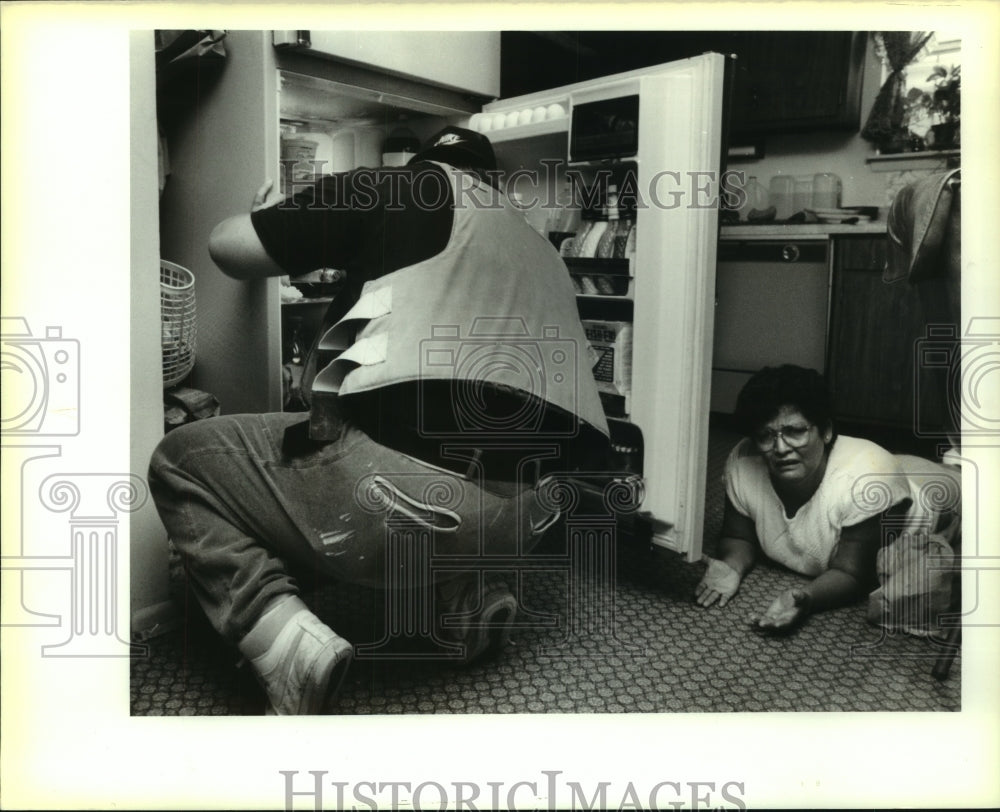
(656, 131)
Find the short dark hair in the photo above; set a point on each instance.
(768, 390)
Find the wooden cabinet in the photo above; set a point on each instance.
(874, 332)
(789, 81)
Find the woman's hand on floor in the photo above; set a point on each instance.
(719, 583)
(785, 612)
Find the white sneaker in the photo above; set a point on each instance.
(304, 667)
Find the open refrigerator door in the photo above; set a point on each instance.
(655, 135)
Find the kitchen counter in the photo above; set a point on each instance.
(802, 231)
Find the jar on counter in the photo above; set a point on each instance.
(756, 198)
(803, 193)
(781, 195)
(826, 191)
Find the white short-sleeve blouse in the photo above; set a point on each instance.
(807, 541)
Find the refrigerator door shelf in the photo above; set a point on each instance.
(521, 131)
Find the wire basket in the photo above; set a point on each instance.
(178, 329)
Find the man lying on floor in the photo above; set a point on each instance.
(452, 378)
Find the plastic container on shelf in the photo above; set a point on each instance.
(307, 155)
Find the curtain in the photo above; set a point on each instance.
(899, 48)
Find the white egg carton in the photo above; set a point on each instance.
(517, 123)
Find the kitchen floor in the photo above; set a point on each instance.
(644, 648)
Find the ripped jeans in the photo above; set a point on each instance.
(254, 508)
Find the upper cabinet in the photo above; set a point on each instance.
(797, 80)
(460, 60)
(783, 81)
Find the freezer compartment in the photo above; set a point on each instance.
(604, 129)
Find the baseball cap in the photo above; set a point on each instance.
(459, 147)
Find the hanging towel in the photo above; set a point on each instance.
(924, 227)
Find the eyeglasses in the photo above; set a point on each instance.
(794, 437)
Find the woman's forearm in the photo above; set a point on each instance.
(739, 554)
(831, 589)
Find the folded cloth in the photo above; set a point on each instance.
(924, 226)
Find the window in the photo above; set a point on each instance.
(933, 66)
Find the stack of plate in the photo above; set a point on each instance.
(845, 216)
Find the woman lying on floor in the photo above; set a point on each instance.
(820, 504)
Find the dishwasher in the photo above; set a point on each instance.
(772, 307)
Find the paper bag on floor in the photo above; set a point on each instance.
(916, 574)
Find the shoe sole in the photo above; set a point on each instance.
(490, 633)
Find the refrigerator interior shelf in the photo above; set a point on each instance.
(601, 277)
(607, 288)
(597, 298)
(608, 267)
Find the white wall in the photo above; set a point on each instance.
(148, 552)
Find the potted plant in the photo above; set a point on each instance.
(943, 105)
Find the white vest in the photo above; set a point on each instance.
(495, 305)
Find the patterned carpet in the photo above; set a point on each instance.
(642, 647)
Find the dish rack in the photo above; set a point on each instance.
(178, 326)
